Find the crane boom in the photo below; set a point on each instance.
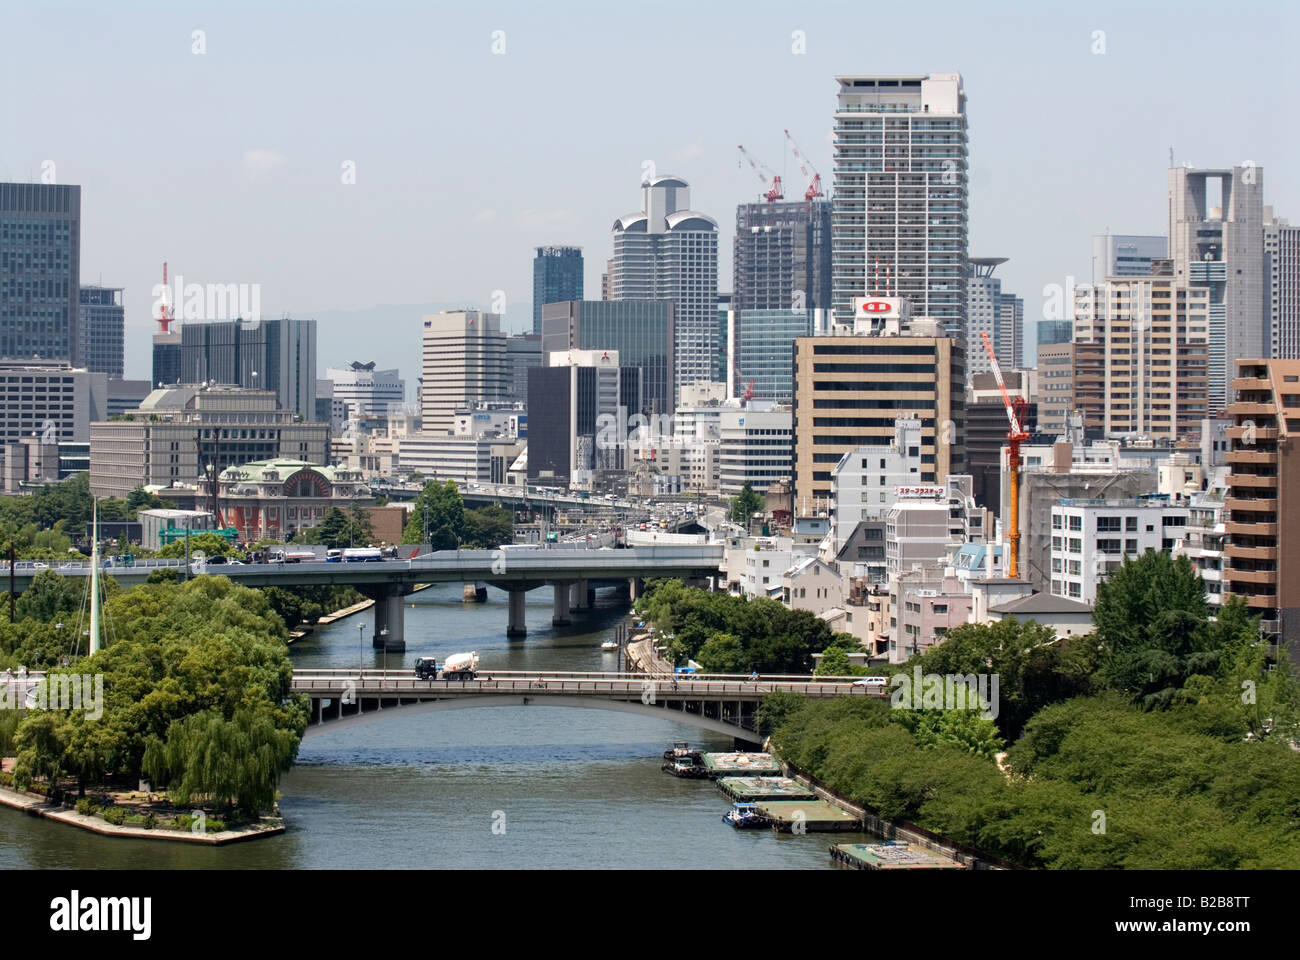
(997, 375)
(774, 191)
(806, 168)
(1015, 437)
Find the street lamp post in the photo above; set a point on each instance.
(383, 634)
(361, 650)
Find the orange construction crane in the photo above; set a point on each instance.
(815, 181)
(1017, 409)
(774, 191)
(749, 391)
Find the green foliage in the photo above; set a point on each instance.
(1033, 667)
(87, 807)
(450, 524)
(439, 509)
(772, 638)
(141, 499)
(339, 530)
(197, 677)
(235, 761)
(1154, 630)
(295, 605)
(968, 730)
(205, 541)
(746, 504)
(115, 815)
(488, 527)
(722, 653)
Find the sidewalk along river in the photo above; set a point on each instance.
(496, 787)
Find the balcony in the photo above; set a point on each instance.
(1251, 529)
(1249, 553)
(1248, 408)
(1256, 505)
(1252, 383)
(1252, 480)
(1252, 456)
(1232, 575)
(1260, 433)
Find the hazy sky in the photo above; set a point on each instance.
(229, 163)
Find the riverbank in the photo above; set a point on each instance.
(872, 822)
(36, 805)
(327, 619)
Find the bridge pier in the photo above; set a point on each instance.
(560, 617)
(390, 631)
(580, 596)
(515, 626)
(474, 592)
(635, 587)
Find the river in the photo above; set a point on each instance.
(501, 787)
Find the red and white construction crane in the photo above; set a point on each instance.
(1016, 410)
(167, 313)
(765, 173)
(815, 180)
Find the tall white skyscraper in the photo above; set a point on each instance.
(666, 251)
(464, 361)
(1216, 224)
(899, 225)
(1282, 253)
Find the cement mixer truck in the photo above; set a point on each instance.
(460, 666)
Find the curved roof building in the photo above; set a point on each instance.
(666, 251)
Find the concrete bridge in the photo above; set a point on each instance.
(726, 704)
(569, 571)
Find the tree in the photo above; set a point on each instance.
(440, 511)
(1152, 622)
(746, 504)
(722, 653)
(488, 527)
(142, 499)
(205, 541)
(339, 530)
(235, 761)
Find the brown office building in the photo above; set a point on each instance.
(849, 390)
(1262, 553)
(1141, 357)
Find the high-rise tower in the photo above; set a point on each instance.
(666, 251)
(899, 227)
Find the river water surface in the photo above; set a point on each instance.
(500, 787)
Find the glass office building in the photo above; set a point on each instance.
(764, 346)
(640, 330)
(557, 276)
(40, 257)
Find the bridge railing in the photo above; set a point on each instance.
(395, 686)
(352, 674)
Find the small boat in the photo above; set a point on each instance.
(609, 645)
(745, 816)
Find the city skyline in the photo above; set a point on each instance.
(261, 200)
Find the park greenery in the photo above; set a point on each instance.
(196, 683)
(339, 529)
(1162, 740)
(45, 525)
(730, 634)
(439, 517)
